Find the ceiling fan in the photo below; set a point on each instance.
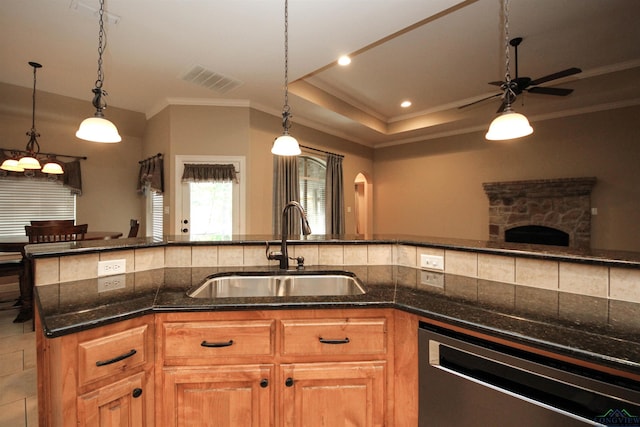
(516, 86)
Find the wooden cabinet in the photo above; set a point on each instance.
(274, 368)
(333, 394)
(99, 377)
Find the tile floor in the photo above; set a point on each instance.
(18, 390)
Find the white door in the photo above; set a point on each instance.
(210, 208)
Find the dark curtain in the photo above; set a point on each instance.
(151, 172)
(72, 177)
(286, 188)
(209, 173)
(334, 195)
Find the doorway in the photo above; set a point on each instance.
(363, 205)
(210, 208)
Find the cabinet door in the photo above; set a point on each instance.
(221, 396)
(126, 403)
(333, 394)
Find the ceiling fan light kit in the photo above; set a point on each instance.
(508, 125)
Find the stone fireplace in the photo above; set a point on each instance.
(545, 211)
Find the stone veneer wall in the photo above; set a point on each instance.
(563, 204)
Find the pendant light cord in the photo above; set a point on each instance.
(508, 85)
(101, 44)
(33, 147)
(286, 109)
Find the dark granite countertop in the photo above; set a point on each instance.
(589, 256)
(599, 330)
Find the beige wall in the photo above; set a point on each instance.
(110, 172)
(434, 188)
(242, 131)
(264, 129)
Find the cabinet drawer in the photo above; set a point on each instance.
(185, 340)
(334, 336)
(112, 354)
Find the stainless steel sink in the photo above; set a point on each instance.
(230, 285)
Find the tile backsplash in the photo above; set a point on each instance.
(576, 278)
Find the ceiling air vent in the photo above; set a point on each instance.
(210, 79)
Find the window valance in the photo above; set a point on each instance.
(152, 173)
(202, 172)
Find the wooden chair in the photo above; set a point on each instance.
(55, 233)
(134, 227)
(12, 264)
(40, 223)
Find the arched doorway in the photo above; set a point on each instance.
(363, 205)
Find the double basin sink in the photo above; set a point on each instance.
(278, 284)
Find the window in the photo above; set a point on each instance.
(312, 178)
(24, 200)
(155, 214)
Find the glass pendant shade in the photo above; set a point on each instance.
(11, 165)
(286, 145)
(98, 129)
(29, 162)
(508, 125)
(52, 168)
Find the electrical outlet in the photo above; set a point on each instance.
(111, 283)
(431, 278)
(432, 262)
(114, 266)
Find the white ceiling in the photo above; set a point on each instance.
(440, 54)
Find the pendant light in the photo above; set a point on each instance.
(285, 144)
(29, 162)
(97, 128)
(509, 124)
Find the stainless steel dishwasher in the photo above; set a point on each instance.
(466, 381)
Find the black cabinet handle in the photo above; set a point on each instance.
(344, 341)
(137, 392)
(264, 383)
(216, 344)
(288, 382)
(115, 359)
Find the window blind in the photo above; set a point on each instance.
(25, 200)
(157, 212)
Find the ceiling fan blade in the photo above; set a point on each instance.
(550, 91)
(496, 83)
(558, 75)
(478, 101)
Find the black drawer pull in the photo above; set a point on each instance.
(216, 344)
(264, 383)
(115, 359)
(137, 392)
(289, 382)
(344, 341)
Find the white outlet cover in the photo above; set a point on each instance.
(111, 267)
(432, 262)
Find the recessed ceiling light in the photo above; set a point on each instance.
(344, 60)
(405, 104)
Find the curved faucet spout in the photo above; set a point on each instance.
(283, 255)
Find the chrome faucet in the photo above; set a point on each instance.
(283, 255)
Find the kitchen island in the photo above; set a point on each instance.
(602, 334)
